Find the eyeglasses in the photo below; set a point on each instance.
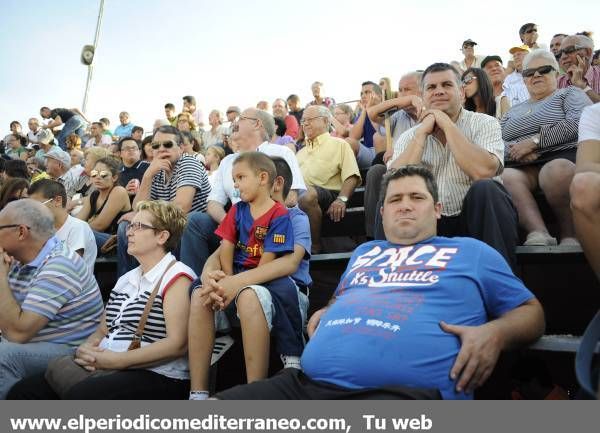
(103, 174)
(310, 119)
(569, 50)
(166, 144)
(129, 149)
(531, 30)
(47, 201)
(137, 226)
(248, 118)
(467, 80)
(542, 70)
(10, 226)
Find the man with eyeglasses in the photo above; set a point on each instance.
(330, 170)
(133, 169)
(576, 59)
(49, 300)
(252, 133)
(172, 176)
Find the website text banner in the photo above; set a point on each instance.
(300, 416)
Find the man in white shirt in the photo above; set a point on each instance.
(34, 130)
(58, 166)
(254, 130)
(514, 86)
(98, 137)
(76, 233)
(470, 60)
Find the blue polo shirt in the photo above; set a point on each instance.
(124, 130)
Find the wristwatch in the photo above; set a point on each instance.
(342, 198)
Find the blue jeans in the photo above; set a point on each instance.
(18, 361)
(198, 241)
(76, 125)
(101, 238)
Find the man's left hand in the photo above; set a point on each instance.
(5, 263)
(576, 73)
(479, 351)
(442, 120)
(337, 210)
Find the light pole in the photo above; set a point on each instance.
(87, 57)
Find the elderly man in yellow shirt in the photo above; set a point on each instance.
(330, 172)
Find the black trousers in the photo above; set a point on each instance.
(487, 214)
(121, 385)
(292, 384)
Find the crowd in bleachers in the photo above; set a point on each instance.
(213, 224)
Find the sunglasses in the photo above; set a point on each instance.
(103, 174)
(542, 70)
(569, 50)
(468, 79)
(166, 144)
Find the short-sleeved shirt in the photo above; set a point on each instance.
(292, 127)
(78, 235)
(592, 76)
(58, 285)
(124, 130)
(136, 171)
(589, 123)
(453, 183)
(384, 327)
(70, 180)
(127, 302)
(327, 162)
(301, 227)
(105, 141)
(400, 122)
(223, 188)
(187, 172)
(515, 88)
(64, 114)
(272, 232)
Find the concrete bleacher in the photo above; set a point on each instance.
(560, 278)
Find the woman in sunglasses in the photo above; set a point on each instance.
(540, 138)
(104, 206)
(479, 94)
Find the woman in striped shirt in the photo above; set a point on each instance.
(158, 369)
(540, 137)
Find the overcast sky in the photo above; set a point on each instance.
(238, 52)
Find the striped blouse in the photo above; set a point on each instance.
(453, 183)
(126, 306)
(555, 119)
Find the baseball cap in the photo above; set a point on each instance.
(490, 59)
(60, 155)
(469, 42)
(519, 48)
(45, 136)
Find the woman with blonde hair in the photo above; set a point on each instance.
(118, 368)
(186, 122)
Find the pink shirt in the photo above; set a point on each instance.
(592, 77)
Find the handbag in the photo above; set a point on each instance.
(63, 372)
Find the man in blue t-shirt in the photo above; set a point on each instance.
(413, 315)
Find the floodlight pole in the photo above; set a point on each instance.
(91, 66)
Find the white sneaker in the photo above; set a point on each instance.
(540, 239)
(291, 361)
(569, 242)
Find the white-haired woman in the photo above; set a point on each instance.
(158, 367)
(541, 140)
